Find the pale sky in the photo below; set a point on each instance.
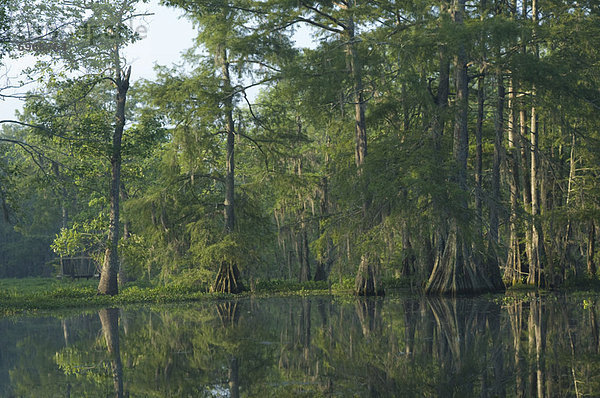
(167, 35)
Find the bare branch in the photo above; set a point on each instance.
(319, 25)
(325, 15)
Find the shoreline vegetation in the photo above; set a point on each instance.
(18, 296)
(453, 144)
(35, 295)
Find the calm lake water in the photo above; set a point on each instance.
(315, 346)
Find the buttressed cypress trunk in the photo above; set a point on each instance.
(458, 270)
(366, 282)
(108, 278)
(440, 229)
(227, 280)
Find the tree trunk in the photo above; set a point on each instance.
(479, 151)
(498, 149)
(536, 276)
(304, 255)
(324, 264)
(230, 153)
(479, 127)
(360, 151)
(513, 270)
(591, 248)
(122, 275)
(367, 270)
(227, 280)
(526, 179)
(440, 230)
(441, 98)
(536, 272)
(408, 256)
(367, 281)
(108, 278)
(458, 270)
(566, 246)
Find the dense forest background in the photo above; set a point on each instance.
(455, 144)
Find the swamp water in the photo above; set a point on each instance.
(310, 346)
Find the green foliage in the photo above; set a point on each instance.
(36, 294)
(82, 238)
(300, 199)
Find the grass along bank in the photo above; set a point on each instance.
(35, 294)
(38, 294)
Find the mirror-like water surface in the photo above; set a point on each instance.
(311, 346)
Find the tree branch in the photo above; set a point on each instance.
(325, 15)
(317, 24)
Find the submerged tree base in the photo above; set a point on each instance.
(459, 271)
(367, 282)
(228, 279)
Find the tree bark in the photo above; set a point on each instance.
(360, 152)
(122, 276)
(479, 127)
(536, 272)
(479, 151)
(367, 270)
(367, 281)
(304, 255)
(566, 246)
(108, 278)
(229, 204)
(441, 98)
(591, 248)
(440, 230)
(458, 270)
(324, 264)
(498, 152)
(513, 269)
(536, 276)
(408, 256)
(227, 280)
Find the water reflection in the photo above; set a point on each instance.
(311, 346)
(109, 318)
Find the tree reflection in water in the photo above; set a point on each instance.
(312, 346)
(229, 317)
(110, 326)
